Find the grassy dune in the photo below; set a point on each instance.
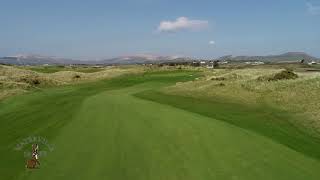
(298, 96)
(15, 80)
(124, 129)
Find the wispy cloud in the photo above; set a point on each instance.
(182, 23)
(313, 9)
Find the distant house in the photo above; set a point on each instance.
(223, 62)
(312, 63)
(254, 63)
(257, 63)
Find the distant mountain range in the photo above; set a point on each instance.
(37, 60)
(42, 60)
(141, 59)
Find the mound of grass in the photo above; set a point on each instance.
(299, 96)
(27, 78)
(218, 78)
(283, 75)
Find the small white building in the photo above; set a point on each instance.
(255, 63)
(312, 63)
(223, 62)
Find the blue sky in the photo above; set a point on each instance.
(108, 28)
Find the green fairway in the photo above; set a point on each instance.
(124, 129)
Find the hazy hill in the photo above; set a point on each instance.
(38, 60)
(141, 59)
(41, 60)
(144, 59)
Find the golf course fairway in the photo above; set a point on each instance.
(106, 130)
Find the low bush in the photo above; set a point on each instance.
(218, 78)
(221, 84)
(283, 75)
(77, 76)
(32, 80)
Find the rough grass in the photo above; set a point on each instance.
(16, 80)
(298, 96)
(283, 75)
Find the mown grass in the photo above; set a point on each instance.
(261, 119)
(45, 112)
(73, 94)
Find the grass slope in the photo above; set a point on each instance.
(101, 131)
(264, 120)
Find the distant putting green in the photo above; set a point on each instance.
(124, 128)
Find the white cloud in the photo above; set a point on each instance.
(313, 9)
(182, 23)
(212, 42)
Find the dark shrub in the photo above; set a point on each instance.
(216, 64)
(218, 78)
(77, 76)
(221, 84)
(285, 74)
(35, 81)
(32, 80)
